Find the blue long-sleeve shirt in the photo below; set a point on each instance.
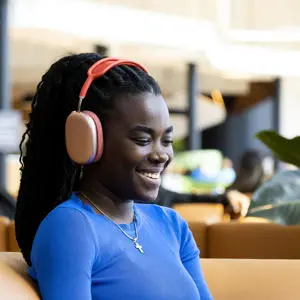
(80, 255)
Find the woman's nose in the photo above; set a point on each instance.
(159, 157)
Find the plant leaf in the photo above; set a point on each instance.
(287, 150)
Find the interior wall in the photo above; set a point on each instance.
(236, 134)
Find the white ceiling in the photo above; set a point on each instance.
(198, 9)
(32, 52)
(239, 14)
(230, 40)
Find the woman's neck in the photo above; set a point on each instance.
(118, 210)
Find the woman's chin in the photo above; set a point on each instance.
(147, 198)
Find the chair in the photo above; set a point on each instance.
(4, 223)
(12, 241)
(201, 212)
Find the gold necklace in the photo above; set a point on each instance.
(134, 240)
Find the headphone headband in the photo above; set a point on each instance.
(84, 134)
(101, 67)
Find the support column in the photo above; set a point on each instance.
(194, 141)
(4, 76)
(276, 114)
(289, 95)
(101, 49)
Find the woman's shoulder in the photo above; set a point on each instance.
(69, 216)
(60, 233)
(72, 207)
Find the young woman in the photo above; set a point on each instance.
(85, 220)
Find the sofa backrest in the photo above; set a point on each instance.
(4, 224)
(253, 240)
(12, 242)
(199, 231)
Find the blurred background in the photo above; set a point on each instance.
(230, 73)
(228, 70)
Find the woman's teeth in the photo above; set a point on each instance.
(152, 175)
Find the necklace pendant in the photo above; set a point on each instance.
(138, 246)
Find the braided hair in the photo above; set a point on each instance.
(48, 176)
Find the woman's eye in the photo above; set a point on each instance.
(142, 141)
(168, 142)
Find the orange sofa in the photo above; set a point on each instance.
(228, 279)
(247, 240)
(219, 240)
(4, 228)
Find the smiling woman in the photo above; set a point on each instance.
(98, 140)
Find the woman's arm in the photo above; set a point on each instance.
(63, 254)
(169, 198)
(189, 254)
(233, 201)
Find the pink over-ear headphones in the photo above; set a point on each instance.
(83, 131)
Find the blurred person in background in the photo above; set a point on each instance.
(253, 169)
(78, 223)
(227, 174)
(224, 176)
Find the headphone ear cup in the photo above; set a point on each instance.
(99, 134)
(81, 138)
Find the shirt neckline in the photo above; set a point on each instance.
(125, 226)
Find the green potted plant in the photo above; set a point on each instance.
(286, 150)
(278, 199)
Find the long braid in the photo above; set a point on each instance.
(48, 176)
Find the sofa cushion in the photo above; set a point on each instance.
(251, 279)
(15, 284)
